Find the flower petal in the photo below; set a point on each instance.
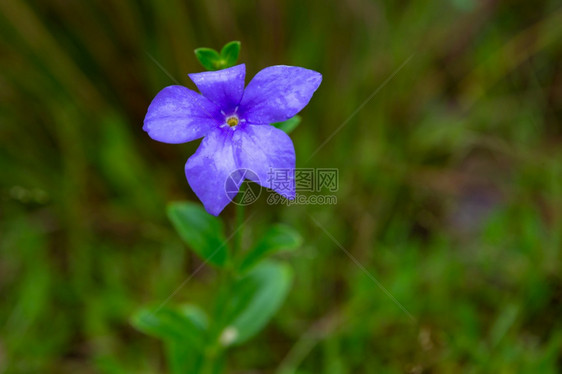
(210, 170)
(223, 87)
(277, 93)
(269, 153)
(178, 115)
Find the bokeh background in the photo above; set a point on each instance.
(450, 178)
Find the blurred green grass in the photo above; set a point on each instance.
(450, 183)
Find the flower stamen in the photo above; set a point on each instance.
(232, 121)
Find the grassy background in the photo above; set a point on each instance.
(450, 183)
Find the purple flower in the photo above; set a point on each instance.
(236, 126)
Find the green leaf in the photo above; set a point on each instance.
(209, 58)
(230, 53)
(183, 330)
(503, 323)
(277, 238)
(289, 125)
(173, 325)
(195, 315)
(202, 232)
(255, 299)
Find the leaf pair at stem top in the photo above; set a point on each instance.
(213, 60)
(204, 234)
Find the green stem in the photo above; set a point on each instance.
(209, 363)
(226, 279)
(237, 245)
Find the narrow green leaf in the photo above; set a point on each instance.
(209, 58)
(230, 53)
(255, 299)
(171, 325)
(503, 323)
(289, 125)
(202, 232)
(277, 238)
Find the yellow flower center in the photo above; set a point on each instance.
(232, 121)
